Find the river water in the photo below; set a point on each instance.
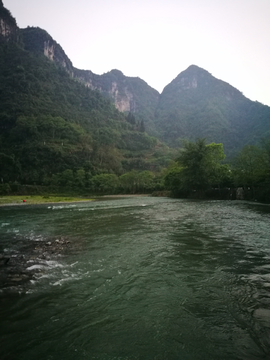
(144, 278)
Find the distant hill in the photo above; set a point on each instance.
(196, 104)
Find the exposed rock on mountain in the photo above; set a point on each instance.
(129, 94)
(8, 26)
(39, 41)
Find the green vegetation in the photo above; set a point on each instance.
(200, 172)
(251, 171)
(197, 169)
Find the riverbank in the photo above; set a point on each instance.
(38, 199)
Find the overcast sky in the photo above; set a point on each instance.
(157, 39)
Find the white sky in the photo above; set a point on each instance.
(157, 39)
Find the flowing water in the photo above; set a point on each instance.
(143, 278)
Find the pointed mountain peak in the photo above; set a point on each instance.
(190, 77)
(194, 68)
(195, 77)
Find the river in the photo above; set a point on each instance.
(142, 278)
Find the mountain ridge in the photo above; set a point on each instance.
(124, 91)
(194, 104)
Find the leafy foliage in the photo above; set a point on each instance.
(197, 168)
(137, 182)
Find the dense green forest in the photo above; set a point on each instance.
(200, 172)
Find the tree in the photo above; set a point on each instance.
(9, 168)
(67, 178)
(265, 145)
(142, 126)
(173, 180)
(131, 118)
(80, 179)
(105, 183)
(129, 181)
(249, 166)
(145, 181)
(201, 165)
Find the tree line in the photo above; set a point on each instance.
(199, 171)
(81, 181)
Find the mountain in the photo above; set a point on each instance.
(196, 104)
(129, 94)
(54, 117)
(50, 122)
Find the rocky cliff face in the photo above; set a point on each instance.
(9, 30)
(38, 40)
(119, 94)
(120, 89)
(123, 100)
(129, 94)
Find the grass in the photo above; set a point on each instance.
(38, 199)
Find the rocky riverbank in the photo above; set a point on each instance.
(32, 260)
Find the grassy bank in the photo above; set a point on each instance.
(38, 199)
